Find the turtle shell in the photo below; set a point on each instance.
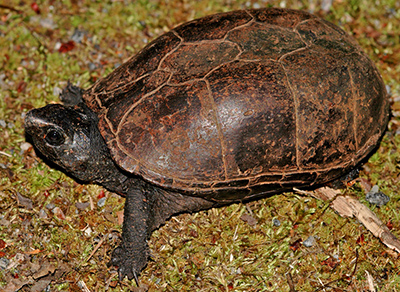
(242, 103)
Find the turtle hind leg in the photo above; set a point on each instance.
(71, 95)
(342, 182)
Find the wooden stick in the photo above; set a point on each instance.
(347, 206)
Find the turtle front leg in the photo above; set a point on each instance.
(132, 254)
(146, 208)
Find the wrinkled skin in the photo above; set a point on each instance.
(68, 136)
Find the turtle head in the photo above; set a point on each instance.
(68, 137)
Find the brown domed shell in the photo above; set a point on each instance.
(245, 102)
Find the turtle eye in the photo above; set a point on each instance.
(54, 137)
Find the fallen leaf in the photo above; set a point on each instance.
(360, 240)
(249, 219)
(36, 251)
(25, 202)
(296, 245)
(331, 262)
(120, 215)
(101, 194)
(66, 47)
(58, 213)
(45, 269)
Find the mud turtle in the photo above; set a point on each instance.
(224, 108)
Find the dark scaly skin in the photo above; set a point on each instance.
(146, 208)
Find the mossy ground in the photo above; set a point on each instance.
(49, 242)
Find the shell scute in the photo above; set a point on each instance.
(212, 27)
(328, 78)
(253, 99)
(261, 41)
(284, 18)
(371, 98)
(126, 77)
(192, 61)
(322, 36)
(124, 98)
(174, 131)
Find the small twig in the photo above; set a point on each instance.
(302, 192)
(370, 281)
(96, 248)
(5, 154)
(81, 284)
(108, 282)
(91, 203)
(249, 210)
(355, 266)
(322, 285)
(10, 8)
(290, 282)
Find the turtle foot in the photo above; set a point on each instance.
(71, 95)
(129, 262)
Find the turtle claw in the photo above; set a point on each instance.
(129, 263)
(136, 278)
(122, 274)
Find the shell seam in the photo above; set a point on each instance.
(129, 111)
(348, 164)
(219, 128)
(109, 123)
(127, 84)
(354, 108)
(296, 112)
(173, 51)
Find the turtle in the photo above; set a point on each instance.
(226, 108)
